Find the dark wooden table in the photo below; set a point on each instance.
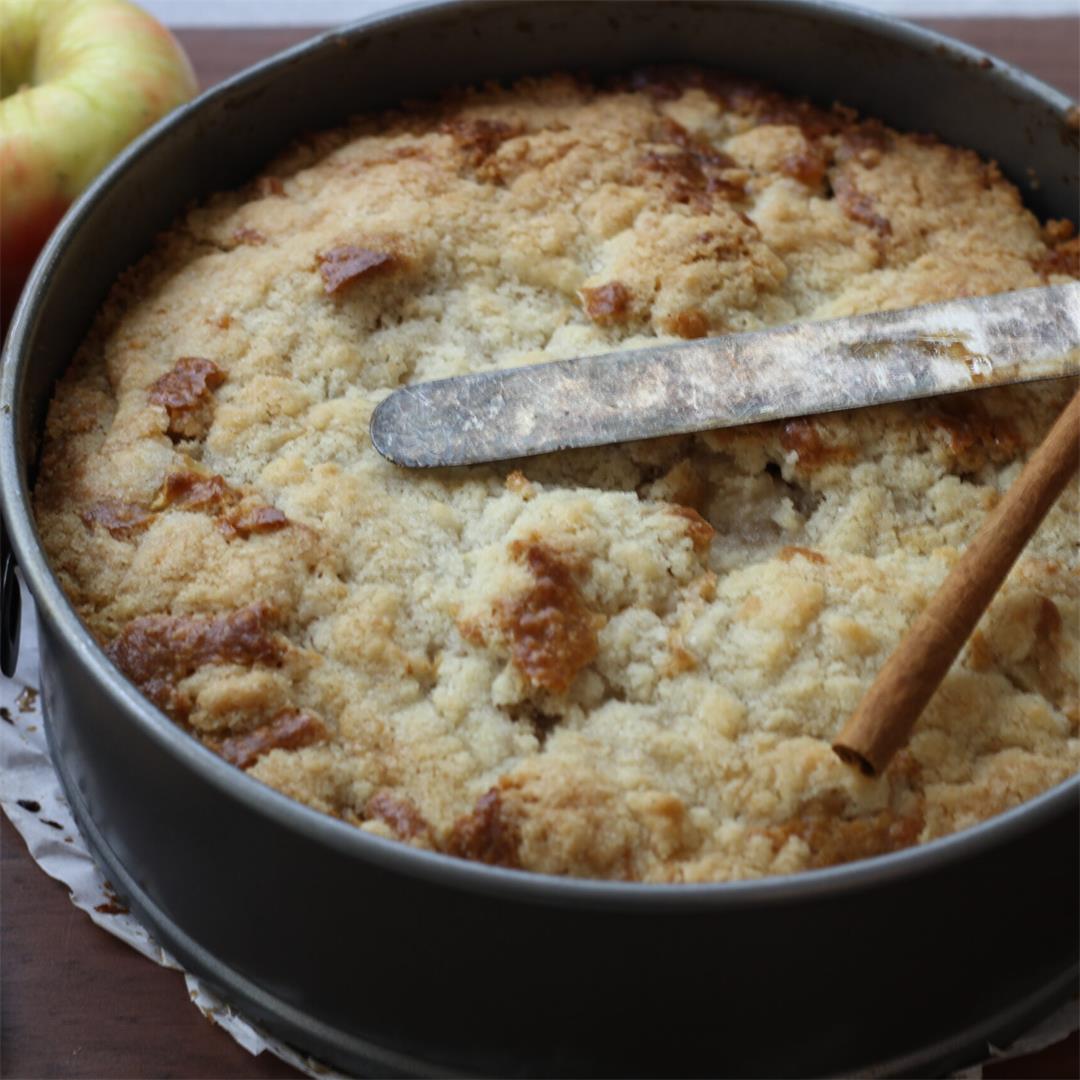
(74, 1001)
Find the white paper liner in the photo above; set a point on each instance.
(55, 844)
(33, 801)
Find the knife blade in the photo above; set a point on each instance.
(674, 388)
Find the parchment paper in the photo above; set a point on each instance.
(31, 797)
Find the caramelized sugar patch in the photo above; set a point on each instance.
(694, 174)
(487, 834)
(698, 529)
(813, 121)
(807, 167)
(121, 519)
(340, 266)
(974, 437)
(258, 519)
(399, 812)
(804, 438)
(859, 206)
(290, 729)
(212, 494)
(156, 652)
(681, 484)
(552, 632)
(607, 304)
(478, 138)
(789, 552)
(195, 491)
(185, 394)
(691, 323)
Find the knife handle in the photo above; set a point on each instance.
(887, 713)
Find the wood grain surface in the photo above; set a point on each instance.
(75, 1002)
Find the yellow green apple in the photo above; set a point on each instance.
(79, 79)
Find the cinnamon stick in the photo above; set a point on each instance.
(887, 713)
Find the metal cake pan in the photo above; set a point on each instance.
(376, 957)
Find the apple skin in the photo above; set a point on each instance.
(80, 79)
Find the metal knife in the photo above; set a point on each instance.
(796, 370)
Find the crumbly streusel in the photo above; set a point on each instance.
(625, 662)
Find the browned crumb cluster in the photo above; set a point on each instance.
(626, 662)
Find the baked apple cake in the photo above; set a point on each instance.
(626, 662)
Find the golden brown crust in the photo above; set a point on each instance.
(626, 662)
